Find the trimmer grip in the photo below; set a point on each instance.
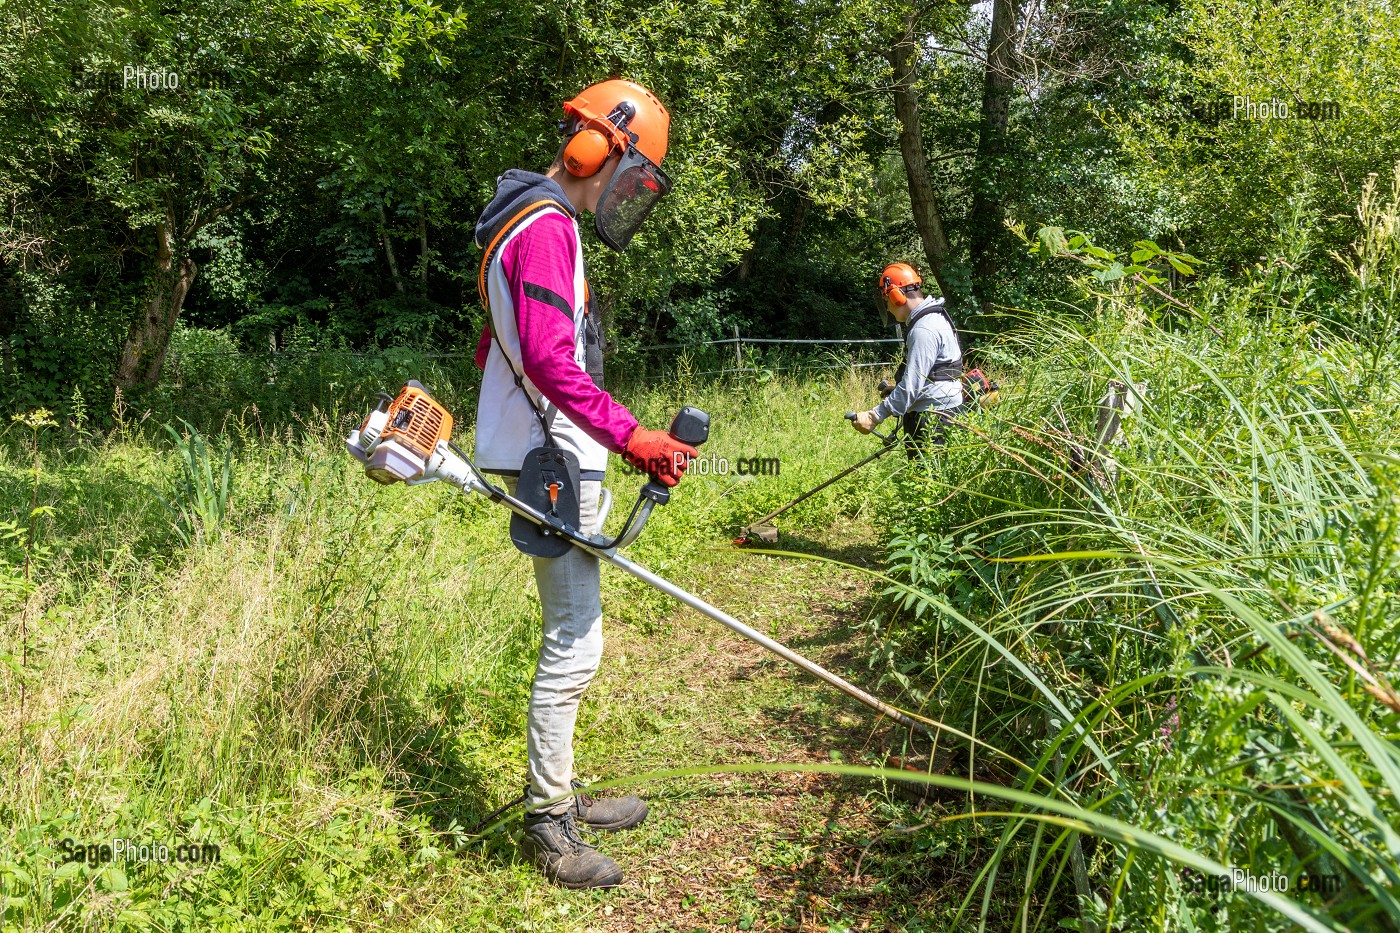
(690, 426)
(850, 416)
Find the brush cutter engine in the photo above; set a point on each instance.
(400, 435)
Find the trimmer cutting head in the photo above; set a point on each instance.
(768, 534)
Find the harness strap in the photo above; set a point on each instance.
(526, 212)
(951, 371)
(944, 370)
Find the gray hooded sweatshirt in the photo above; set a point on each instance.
(931, 341)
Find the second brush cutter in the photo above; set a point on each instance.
(764, 530)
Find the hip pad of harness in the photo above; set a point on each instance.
(948, 371)
(549, 483)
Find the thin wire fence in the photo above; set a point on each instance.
(797, 367)
(769, 340)
(738, 342)
(763, 354)
(744, 364)
(281, 383)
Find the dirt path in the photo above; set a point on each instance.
(771, 850)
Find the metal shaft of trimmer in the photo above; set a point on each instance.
(778, 648)
(459, 474)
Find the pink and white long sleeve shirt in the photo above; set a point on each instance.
(538, 299)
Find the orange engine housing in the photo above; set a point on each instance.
(417, 421)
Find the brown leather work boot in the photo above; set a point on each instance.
(553, 844)
(608, 814)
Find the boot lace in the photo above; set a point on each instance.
(567, 823)
(571, 830)
(582, 798)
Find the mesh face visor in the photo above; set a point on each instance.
(635, 188)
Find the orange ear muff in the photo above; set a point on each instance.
(894, 294)
(586, 152)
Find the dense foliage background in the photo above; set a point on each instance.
(313, 181)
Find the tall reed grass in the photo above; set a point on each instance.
(1196, 638)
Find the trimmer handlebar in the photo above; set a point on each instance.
(690, 426)
(887, 438)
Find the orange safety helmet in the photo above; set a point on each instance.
(895, 279)
(609, 117)
(619, 118)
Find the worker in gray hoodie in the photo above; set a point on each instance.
(928, 389)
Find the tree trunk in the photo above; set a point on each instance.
(143, 354)
(903, 57)
(389, 251)
(988, 210)
(746, 266)
(799, 219)
(423, 252)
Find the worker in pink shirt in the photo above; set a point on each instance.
(542, 383)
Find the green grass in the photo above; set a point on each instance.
(1185, 666)
(328, 679)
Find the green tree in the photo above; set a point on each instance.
(1210, 131)
(150, 122)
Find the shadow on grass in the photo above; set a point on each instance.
(428, 774)
(879, 856)
(96, 510)
(865, 554)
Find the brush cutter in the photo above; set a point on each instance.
(763, 529)
(409, 440)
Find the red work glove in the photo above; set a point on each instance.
(659, 454)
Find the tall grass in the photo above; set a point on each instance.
(332, 689)
(1199, 647)
(1178, 666)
